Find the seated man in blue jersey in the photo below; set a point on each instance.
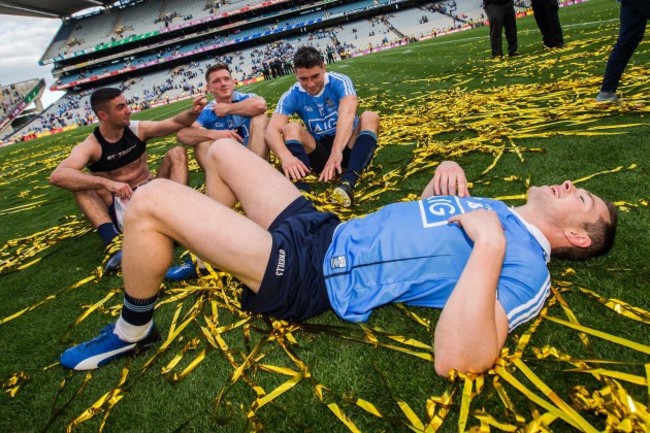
(231, 114)
(115, 154)
(336, 141)
(483, 263)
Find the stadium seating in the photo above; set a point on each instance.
(246, 42)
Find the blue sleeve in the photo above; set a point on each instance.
(205, 117)
(342, 85)
(524, 285)
(286, 104)
(242, 96)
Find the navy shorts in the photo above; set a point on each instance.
(293, 287)
(317, 159)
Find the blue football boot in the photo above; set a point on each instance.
(104, 348)
(186, 271)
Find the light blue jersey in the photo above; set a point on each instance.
(320, 113)
(408, 252)
(242, 124)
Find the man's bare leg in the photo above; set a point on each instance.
(256, 142)
(94, 206)
(233, 172)
(164, 211)
(161, 212)
(201, 152)
(174, 166)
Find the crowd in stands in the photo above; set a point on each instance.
(10, 97)
(12, 94)
(269, 60)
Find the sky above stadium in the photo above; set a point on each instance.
(23, 41)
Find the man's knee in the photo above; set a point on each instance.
(221, 151)
(259, 122)
(369, 121)
(143, 202)
(291, 131)
(177, 155)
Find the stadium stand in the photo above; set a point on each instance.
(157, 50)
(14, 99)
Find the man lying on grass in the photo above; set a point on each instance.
(483, 263)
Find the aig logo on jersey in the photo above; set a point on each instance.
(435, 211)
(324, 125)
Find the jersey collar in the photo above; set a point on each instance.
(537, 234)
(327, 80)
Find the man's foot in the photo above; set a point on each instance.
(607, 97)
(343, 194)
(186, 271)
(104, 348)
(114, 262)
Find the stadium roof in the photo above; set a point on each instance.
(48, 8)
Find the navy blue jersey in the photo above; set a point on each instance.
(320, 113)
(408, 252)
(242, 124)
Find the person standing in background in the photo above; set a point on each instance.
(548, 21)
(501, 14)
(634, 18)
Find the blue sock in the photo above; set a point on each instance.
(108, 232)
(138, 312)
(296, 149)
(360, 156)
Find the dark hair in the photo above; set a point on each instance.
(101, 97)
(307, 57)
(215, 67)
(601, 233)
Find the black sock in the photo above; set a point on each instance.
(138, 312)
(296, 149)
(108, 232)
(360, 156)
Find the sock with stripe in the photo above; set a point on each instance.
(136, 319)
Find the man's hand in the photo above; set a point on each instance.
(449, 179)
(228, 133)
(332, 167)
(199, 103)
(120, 189)
(294, 168)
(221, 109)
(482, 226)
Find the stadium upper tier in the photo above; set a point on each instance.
(275, 24)
(15, 98)
(116, 25)
(249, 47)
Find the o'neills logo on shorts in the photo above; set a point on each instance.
(279, 270)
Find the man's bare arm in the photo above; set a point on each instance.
(195, 134)
(249, 107)
(151, 129)
(292, 167)
(344, 128)
(68, 174)
(473, 326)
